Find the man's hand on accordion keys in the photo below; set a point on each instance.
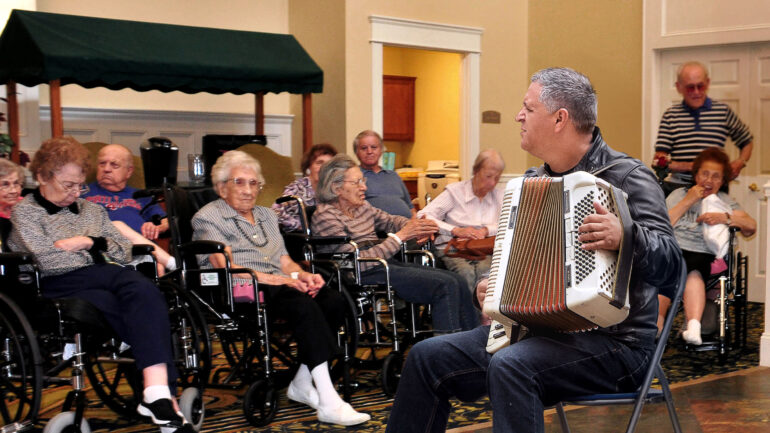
(600, 231)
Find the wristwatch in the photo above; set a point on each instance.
(729, 221)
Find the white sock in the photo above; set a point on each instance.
(171, 264)
(327, 395)
(303, 380)
(156, 392)
(693, 327)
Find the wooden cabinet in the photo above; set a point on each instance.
(398, 108)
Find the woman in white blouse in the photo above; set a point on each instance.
(469, 210)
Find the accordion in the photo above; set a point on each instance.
(540, 276)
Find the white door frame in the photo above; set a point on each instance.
(713, 23)
(437, 37)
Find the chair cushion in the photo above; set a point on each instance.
(276, 169)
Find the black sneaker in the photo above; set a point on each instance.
(163, 414)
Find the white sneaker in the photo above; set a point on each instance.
(692, 334)
(343, 414)
(309, 397)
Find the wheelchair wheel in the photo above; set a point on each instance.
(115, 379)
(192, 406)
(191, 343)
(391, 372)
(242, 352)
(65, 423)
(21, 371)
(260, 403)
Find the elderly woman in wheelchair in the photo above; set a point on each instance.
(254, 241)
(343, 211)
(76, 248)
(711, 170)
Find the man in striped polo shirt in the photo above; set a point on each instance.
(698, 123)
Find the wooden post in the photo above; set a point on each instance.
(13, 118)
(57, 124)
(307, 122)
(259, 113)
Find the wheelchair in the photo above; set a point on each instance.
(724, 326)
(382, 319)
(44, 338)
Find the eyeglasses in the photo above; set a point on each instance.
(691, 87)
(713, 176)
(9, 186)
(359, 182)
(252, 183)
(70, 187)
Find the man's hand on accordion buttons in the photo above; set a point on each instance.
(600, 231)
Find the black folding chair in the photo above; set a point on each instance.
(646, 393)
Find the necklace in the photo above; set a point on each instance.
(253, 238)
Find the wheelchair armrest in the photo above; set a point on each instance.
(201, 247)
(429, 255)
(17, 258)
(142, 250)
(286, 198)
(328, 240)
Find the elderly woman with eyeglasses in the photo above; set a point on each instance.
(11, 183)
(72, 239)
(711, 169)
(343, 211)
(313, 310)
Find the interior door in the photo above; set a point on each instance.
(740, 77)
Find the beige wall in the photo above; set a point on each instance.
(603, 41)
(503, 61)
(320, 28)
(437, 104)
(265, 16)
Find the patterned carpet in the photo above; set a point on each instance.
(223, 407)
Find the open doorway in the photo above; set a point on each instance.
(436, 105)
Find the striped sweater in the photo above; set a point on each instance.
(362, 228)
(685, 132)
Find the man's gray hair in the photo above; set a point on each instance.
(331, 177)
(687, 65)
(366, 133)
(571, 90)
(8, 167)
(493, 156)
(226, 163)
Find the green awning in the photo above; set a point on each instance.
(37, 47)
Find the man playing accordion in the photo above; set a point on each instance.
(558, 121)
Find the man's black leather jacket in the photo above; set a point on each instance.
(656, 253)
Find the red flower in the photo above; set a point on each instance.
(661, 161)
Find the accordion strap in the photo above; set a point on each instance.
(626, 252)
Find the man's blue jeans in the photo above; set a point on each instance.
(447, 293)
(521, 380)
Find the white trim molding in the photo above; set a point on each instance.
(764, 341)
(441, 37)
(185, 128)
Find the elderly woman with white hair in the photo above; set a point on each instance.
(254, 241)
(469, 210)
(343, 211)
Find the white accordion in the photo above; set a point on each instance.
(540, 277)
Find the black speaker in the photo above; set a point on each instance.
(214, 145)
(159, 158)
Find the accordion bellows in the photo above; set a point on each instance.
(540, 277)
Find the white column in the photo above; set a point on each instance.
(470, 119)
(764, 342)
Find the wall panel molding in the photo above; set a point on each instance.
(185, 128)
